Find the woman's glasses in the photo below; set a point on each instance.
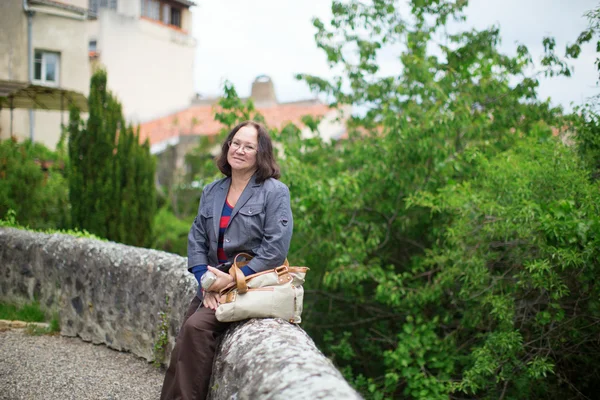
(246, 148)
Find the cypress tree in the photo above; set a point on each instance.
(111, 176)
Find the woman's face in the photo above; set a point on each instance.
(242, 149)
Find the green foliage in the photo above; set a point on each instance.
(452, 241)
(395, 275)
(162, 336)
(30, 312)
(111, 176)
(171, 233)
(54, 324)
(587, 139)
(32, 183)
(514, 272)
(10, 221)
(555, 65)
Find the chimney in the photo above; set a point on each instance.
(263, 92)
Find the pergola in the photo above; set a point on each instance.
(14, 94)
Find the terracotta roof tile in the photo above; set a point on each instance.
(199, 120)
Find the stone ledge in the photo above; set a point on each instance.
(15, 324)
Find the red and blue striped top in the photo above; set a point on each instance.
(199, 270)
(225, 216)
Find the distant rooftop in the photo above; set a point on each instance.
(262, 94)
(199, 118)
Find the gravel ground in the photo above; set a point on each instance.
(54, 367)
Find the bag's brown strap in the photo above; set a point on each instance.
(238, 275)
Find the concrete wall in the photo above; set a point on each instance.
(13, 41)
(131, 8)
(69, 38)
(113, 294)
(13, 60)
(150, 66)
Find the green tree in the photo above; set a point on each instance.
(511, 281)
(111, 176)
(585, 120)
(378, 304)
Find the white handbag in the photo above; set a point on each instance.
(275, 293)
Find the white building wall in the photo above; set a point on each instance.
(69, 38)
(13, 61)
(131, 8)
(149, 66)
(52, 30)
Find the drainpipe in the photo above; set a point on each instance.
(29, 60)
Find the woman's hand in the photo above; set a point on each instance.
(223, 279)
(211, 300)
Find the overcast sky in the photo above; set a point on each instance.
(240, 39)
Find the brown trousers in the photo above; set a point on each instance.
(188, 375)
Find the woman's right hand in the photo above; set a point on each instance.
(211, 300)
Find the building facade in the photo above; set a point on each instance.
(147, 49)
(145, 46)
(43, 42)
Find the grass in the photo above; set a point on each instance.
(30, 312)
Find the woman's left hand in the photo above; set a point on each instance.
(223, 279)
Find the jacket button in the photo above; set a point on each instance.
(227, 240)
(250, 212)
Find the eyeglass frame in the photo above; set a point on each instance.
(243, 147)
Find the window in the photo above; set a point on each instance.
(161, 11)
(46, 68)
(92, 46)
(95, 5)
(151, 9)
(176, 16)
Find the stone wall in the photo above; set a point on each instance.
(104, 292)
(112, 294)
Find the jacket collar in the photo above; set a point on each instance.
(221, 196)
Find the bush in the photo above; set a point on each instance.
(508, 297)
(32, 183)
(171, 233)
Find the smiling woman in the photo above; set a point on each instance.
(248, 211)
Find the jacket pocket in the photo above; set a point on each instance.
(253, 217)
(251, 210)
(206, 218)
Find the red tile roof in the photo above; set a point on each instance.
(199, 120)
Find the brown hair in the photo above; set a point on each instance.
(266, 166)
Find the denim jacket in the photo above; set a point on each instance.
(261, 223)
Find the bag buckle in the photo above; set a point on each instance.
(230, 297)
(281, 270)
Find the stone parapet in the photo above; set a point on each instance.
(113, 294)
